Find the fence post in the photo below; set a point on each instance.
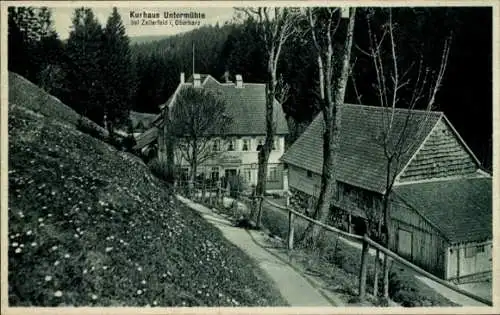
(290, 229)
(363, 268)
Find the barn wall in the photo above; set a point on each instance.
(298, 179)
(427, 245)
(442, 155)
(474, 258)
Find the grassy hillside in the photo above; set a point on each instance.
(25, 93)
(89, 225)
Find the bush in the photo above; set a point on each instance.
(162, 170)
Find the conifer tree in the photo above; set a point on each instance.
(118, 80)
(84, 77)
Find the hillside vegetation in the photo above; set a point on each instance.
(89, 225)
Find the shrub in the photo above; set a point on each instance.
(162, 170)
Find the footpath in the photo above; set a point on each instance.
(294, 287)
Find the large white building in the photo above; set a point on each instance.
(239, 143)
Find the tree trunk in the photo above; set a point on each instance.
(266, 149)
(331, 136)
(387, 223)
(377, 261)
(362, 271)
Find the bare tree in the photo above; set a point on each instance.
(396, 89)
(197, 118)
(324, 23)
(275, 25)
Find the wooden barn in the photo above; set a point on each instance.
(441, 202)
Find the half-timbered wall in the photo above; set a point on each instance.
(442, 155)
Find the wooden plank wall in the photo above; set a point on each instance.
(428, 246)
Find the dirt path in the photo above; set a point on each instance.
(292, 285)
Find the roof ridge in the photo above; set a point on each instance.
(472, 176)
(399, 109)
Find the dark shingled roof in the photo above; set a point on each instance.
(460, 208)
(361, 160)
(246, 106)
(146, 138)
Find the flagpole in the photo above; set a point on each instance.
(193, 58)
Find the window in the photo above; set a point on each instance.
(247, 173)
(309, 174)
(470, 252)
(216, 145)
(260, 144)
(184, 173)
(215, 174)
(480, 249)
(246, 144)
(272, 175)
(231, 145)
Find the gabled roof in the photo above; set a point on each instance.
(460, 208)
(361, 160)
(246, 106)
(146, 138)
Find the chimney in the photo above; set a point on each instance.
(226, 76)
(239, 81)
(344, 12)
(197, 80)
(183, 80)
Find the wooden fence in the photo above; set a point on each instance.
(366, 242)
(214, 196)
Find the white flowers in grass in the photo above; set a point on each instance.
(15, 244)
(108, 249)
(58, 293)
(143, 281)
(66, 256)
(94, 297)
(48, 278)
(18, 250)
(139, 292)
(56, 263)
(29, 232)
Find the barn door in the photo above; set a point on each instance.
(405, 239)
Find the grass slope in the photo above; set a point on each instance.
(25, 93)
(89, 225)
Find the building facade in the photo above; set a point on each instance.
(235, 151)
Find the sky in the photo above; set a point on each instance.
(62, 17)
